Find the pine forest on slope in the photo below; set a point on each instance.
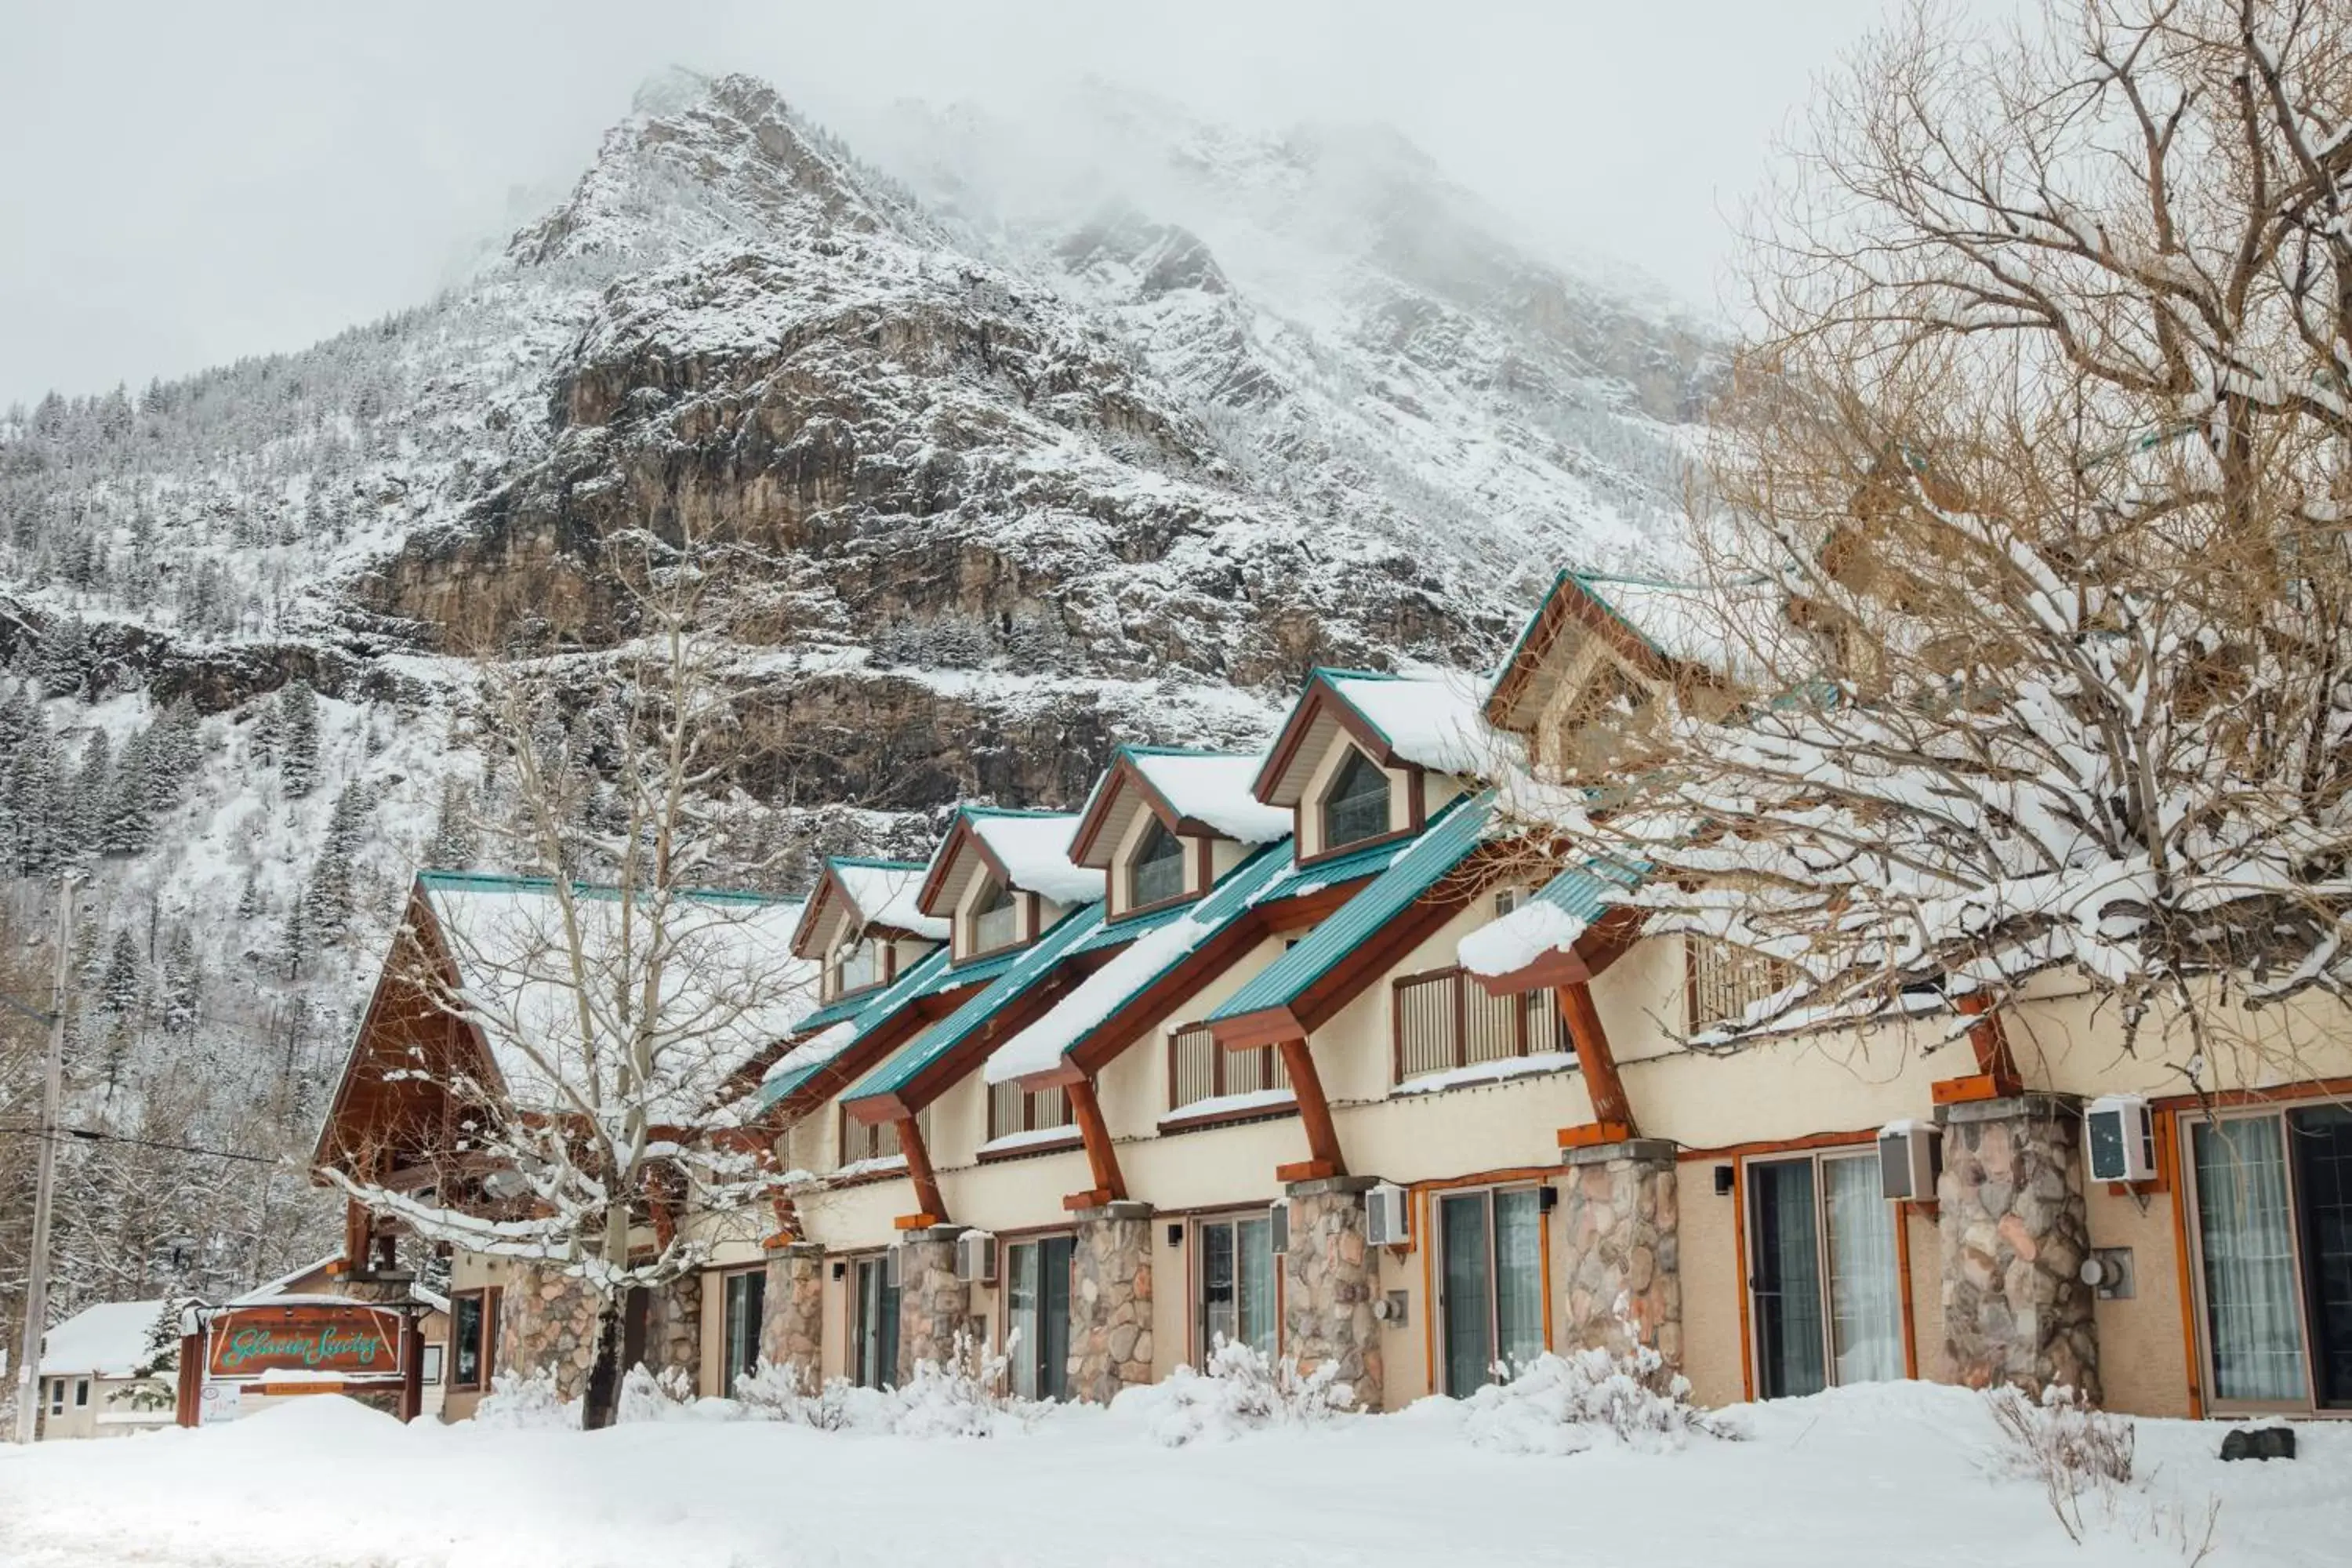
(1027, 452)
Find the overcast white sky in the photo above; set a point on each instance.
(186, 183)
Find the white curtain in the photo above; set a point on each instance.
(2248, 1247)
(1866, 1292)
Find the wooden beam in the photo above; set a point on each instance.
(1266, 1027)
(1610, 1106)
(1314, 1108)
(1990, 1042)
(919, 1172)
(1101, 1158)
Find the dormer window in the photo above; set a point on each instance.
(856, 966)
(1356, 807)
(995, 919)
(1156, 875)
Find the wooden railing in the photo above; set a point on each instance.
(1198, 1070)
(1445, 1020)
(1725, 981)
(876, 1140)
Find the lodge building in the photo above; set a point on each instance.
(1292, 1049)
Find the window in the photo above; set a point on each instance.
(1010, 1110)
(473, 1336)
(1156, 875)
(876, 1140)
(58, 1397)
(81, 1393)
(1725, 981)
(1199, 1069)
(995, 919)
(857, 966)
(431, 1370)
(1037, 1316)
(874, 1326)
(1822, 1273)
(1490, 1284)
(1356, 807)
(2272, 1196)
(745, 1292)
(1445, 1020)
(1235, 1279)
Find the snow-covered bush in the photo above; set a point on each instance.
(967, 1397)
(2065, 1444)
(518, 1402)
(647, 1395)
(1239, 1390)
(773, 1393)
(1567, 1404)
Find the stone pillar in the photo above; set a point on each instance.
(1621, 1245)
(934, 1306)
(547, 1322)
(792, 1334)
(1330, 1278)
(2010, 1219)
(1110, 1302)
(674, 1329)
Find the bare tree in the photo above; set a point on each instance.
(2027, 583)
(608, 1004)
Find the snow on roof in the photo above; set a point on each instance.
(1721, 627)
(1553, 920)
(884, 892)
(1433, 719)
(1213, 787)
(730, 985)
(278, 1286)
(108, 1340)
(1034, 849)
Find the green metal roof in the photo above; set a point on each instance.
(1029, 966)
(1253, 882)
(1447, 841)
(919, 982)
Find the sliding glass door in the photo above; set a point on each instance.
(1237, 1283)
(2273, 1215)
(874, 1338)
(1490, 1297)
(1037, 1314)
(1824, 1283)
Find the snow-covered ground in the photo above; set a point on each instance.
(1871, 1476)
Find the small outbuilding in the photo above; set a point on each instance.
(109, 1370)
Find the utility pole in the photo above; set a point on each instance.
(37, 1278)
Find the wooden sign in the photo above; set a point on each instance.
(355, 1340)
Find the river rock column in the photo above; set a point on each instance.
(1621, 1251)
(1110, 1302)
(2013, 1229)
(794, 1303)
(934, 1306)
(547, 1322)
(674, 1329)
(1331, 1279)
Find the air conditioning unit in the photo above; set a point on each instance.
(2119, 1134)
(1388, 1216)
(1910, 1158)
(1279, 1225)
(893, 1266)
(976, 1258)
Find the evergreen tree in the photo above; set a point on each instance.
(329, 894)
(92, 789)
(183, 984)
(298, 739)
(124, 830)
(248, 901)
(454, 843)
(118, 988)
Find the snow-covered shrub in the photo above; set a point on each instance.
(967, 1397)
(519, 1402)
(1239, 1390)
(773, 1393)
(647, 1395)
(1567, 1404)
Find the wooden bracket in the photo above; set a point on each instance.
(916, 1222)
(1314, 1110)
(1305, 1170)
(1092, 1198)
(1102, 1159)
(1591, 1134)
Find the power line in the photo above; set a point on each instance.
(91, 1135)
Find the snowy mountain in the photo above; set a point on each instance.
(1035, 442)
